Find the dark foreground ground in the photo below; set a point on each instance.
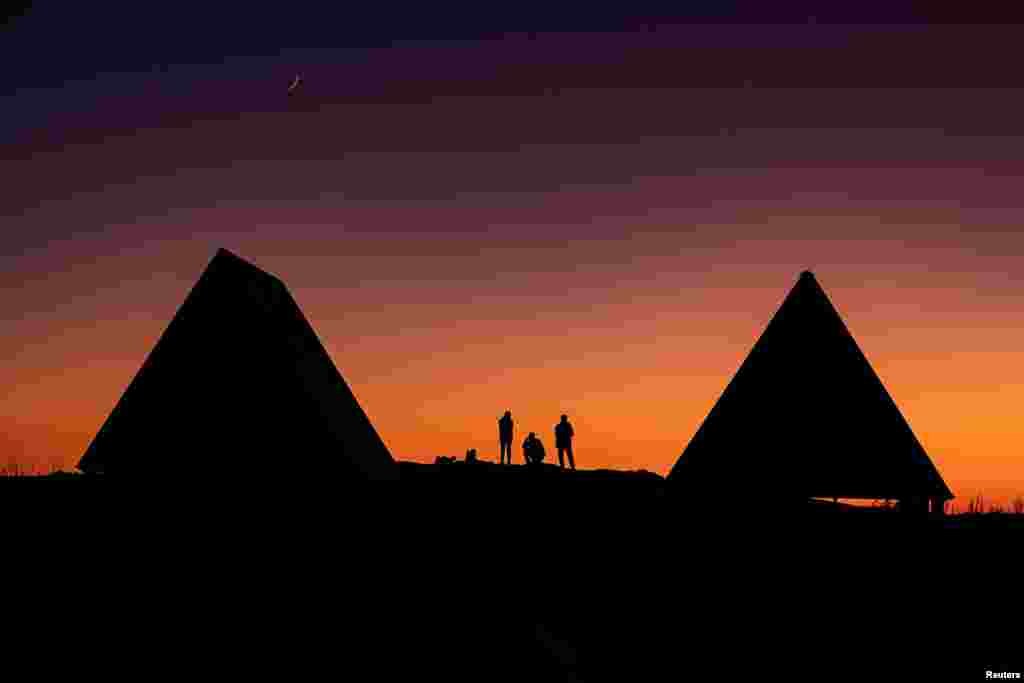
(484, 574)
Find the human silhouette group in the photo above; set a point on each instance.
(533, 448)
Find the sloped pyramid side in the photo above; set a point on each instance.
(806, 416)
(239, 383)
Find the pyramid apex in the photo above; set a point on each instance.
(226, 253)
(230, 259)
(806, 275)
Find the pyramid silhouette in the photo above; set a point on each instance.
(239, 384)
(806, 416)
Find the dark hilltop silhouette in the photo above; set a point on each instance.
(473, 570)
(238, 384)
(806, 416)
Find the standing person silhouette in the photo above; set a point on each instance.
(505, 428)
(563, 442)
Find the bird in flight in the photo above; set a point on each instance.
(296, 82)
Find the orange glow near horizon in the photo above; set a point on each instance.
(636, 370)
(464, 244)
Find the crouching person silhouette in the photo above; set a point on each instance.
(533, 450)
(563, 442)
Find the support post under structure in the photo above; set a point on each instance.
(914, 505)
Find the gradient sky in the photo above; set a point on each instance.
(543, 211)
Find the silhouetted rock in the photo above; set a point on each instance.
(806, 416)
(239, 385)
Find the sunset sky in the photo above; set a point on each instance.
(545, 211)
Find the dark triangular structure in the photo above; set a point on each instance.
(239, 384)
(806, 416)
